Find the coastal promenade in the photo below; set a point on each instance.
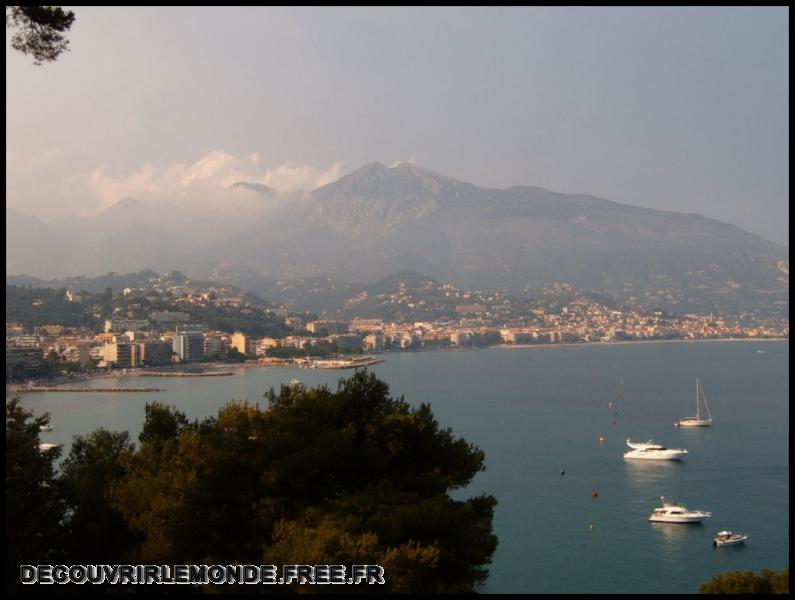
(179, 374)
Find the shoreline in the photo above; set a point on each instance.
(14, 388)
(627, 342)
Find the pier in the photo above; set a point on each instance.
(33, 388)
(346, 364)
(319, 363)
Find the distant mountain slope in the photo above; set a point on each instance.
(116, 281)
(380, 220)
(33, 247)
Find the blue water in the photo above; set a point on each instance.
(537, 410)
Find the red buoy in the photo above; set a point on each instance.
(594, 493)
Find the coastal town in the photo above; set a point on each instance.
(131, 331)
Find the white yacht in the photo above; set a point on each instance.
(727, 538)
(653, 451)
(698, 420)
(672, 512)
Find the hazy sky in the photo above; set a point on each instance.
(683, 109)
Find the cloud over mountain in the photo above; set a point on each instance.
(207, 182)
(203, 185)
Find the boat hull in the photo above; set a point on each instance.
(640, 455)
(676, 519)
(693, 423)
(732, 542)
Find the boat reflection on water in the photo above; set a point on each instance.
(648, 471)
(653, 466)
(671, 532)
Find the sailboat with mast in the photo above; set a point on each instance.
(698, 420)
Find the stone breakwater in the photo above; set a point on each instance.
(34, 388)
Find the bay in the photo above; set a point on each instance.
(537, 410)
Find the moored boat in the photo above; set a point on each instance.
(727, 538)
(673, 512)
(653, 451)
(698, 420)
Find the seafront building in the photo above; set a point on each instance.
(23, 362)
(243, 344)
(156, 353)
(79, 353)
(265, 343)
(123, 355)
(188, 347)
(374, 342)
(347, 342)
(213, 346)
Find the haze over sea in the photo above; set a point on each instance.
(537, 410)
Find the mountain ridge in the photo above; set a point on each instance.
(379, 220)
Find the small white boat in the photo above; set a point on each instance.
(727, 538)
(294, 382)
(653, 451)
(697, 421)
(45, 427)
(44, 446)
(673, 512)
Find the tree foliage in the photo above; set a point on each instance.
(161, 423)
(33, 307)
(736, 582)
(34, 510)
(95, 527)
(39, 30)
(352, 476)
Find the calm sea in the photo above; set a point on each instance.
(537, 410)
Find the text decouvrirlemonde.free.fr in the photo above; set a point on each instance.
(201, 574)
